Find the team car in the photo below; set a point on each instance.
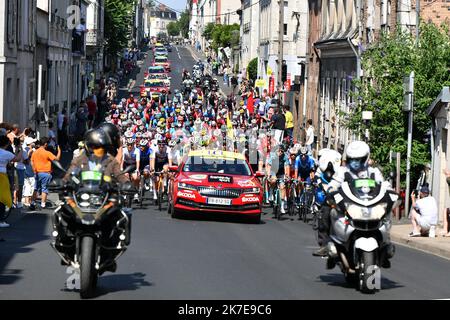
(160, 76)
(155, 70)
(154, 88)
(215, 182)
(162, 61)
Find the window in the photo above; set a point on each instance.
(285, 29)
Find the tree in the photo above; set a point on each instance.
(173, 29)
(207, 32)
(118, 19)
(224, 35)
(252, 69)
(183, 24)
(381, 91)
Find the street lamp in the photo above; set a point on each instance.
(367, 116)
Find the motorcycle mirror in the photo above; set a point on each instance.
(58, 165)
(55, 184)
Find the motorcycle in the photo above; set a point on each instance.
(360, 224)
(91, 230)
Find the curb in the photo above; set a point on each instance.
(421, 245)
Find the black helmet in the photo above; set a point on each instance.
(96, 138)
(113, 133)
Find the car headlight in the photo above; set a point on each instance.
(363, 213)
(186, 186)
(252, 190)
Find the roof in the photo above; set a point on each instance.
(443, 97)
(216, 154)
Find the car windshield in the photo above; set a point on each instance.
(156, 70)
(160, 76)
(217, 165)
(154, 84)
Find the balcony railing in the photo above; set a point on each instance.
(94, 38)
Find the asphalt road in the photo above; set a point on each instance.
(207, 258)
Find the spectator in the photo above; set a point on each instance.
(6, 157)
(14, 133)
(278, 124)
(19, 175)
(309, 136)
(28, 188)
(289, 121)
(41, 161)
(51, 138)
(81, 121)
(424, 213)
(92, 111)
(62, 129)
(77, 152)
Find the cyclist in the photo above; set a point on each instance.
(132, 157)
(304, 166)
(160, 161)
(277, 167)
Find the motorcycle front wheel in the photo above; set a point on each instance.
(367, 263)
(88, 274)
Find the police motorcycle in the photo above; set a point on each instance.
(360, 224)
(91, 230)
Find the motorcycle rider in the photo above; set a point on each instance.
(329, 163)
(96, 157)
(357, 167)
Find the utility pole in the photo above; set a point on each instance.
(280, 50)
(408, 107)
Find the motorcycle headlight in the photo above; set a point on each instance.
(363, 213)
(252, 190)
(186, 186)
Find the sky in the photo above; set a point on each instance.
(179, 5)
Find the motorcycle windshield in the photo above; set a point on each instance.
(365, 188)
(91, 180)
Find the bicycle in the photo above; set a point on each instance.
(306, 201)
(277, 199)
(292, 197)
(162, 187)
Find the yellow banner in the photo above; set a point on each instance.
(260, 83)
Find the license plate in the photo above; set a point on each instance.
(219, 201)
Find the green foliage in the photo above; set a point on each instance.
(183, 23)
(224, 35)
(173, 29)
(252, 69)
(118, 19)
(207, 33)
(385, 65)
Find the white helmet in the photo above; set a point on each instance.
(327, 157)
(357, 156)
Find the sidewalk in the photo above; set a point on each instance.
(439, 245)
(224, 89)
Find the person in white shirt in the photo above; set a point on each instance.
(424, 213)
(309, 136)
(28, 187)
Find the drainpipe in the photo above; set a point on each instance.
(358, 59)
